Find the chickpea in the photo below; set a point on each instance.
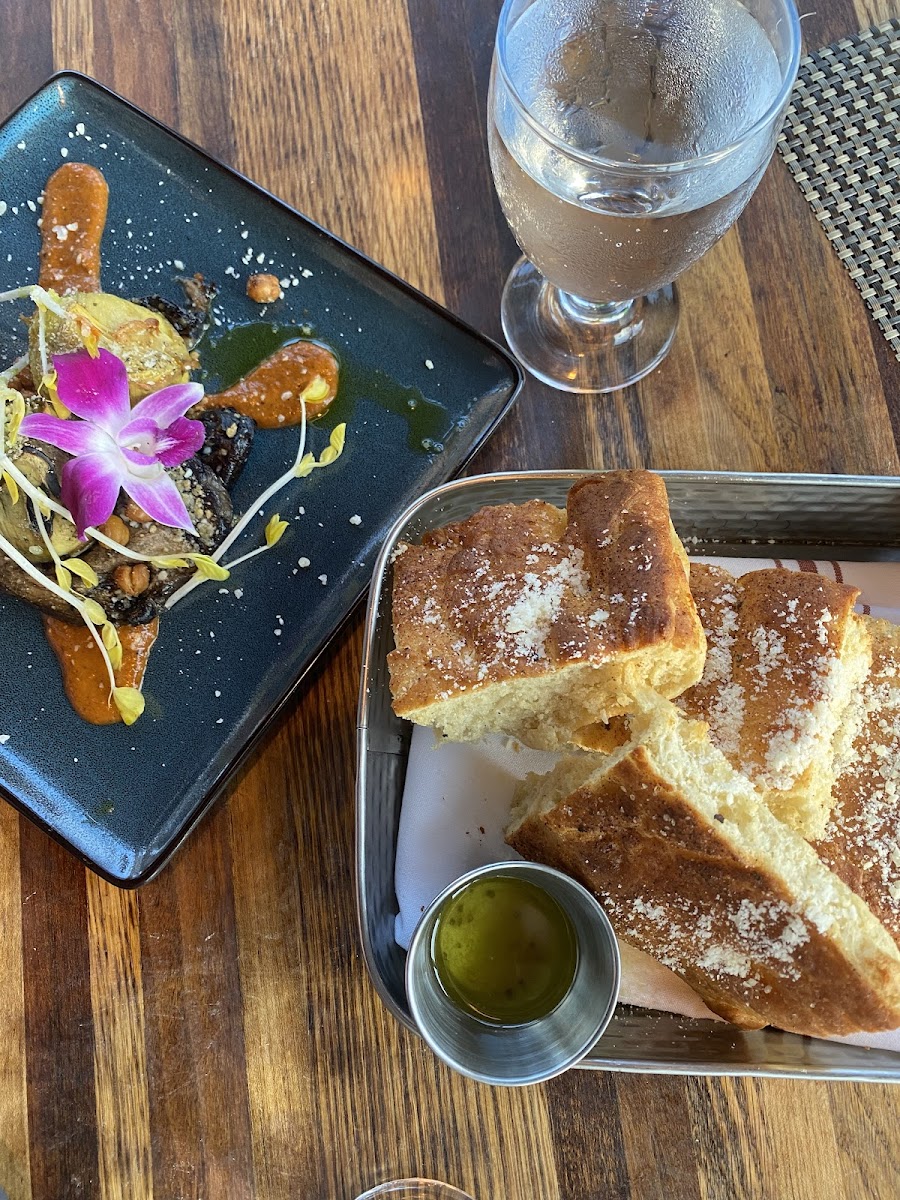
(264, 289)
(134, 512)
(132, 579)
(116, 529)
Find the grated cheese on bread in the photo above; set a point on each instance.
(532, 621)
(694, 869)
(861, 842)
(785, 653)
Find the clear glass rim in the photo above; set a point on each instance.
(398, 1186)
(614, 165)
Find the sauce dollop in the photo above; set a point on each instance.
(85, 680)
(72, 221)
(270, 393)
(504, 950)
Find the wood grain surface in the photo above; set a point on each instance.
(214, 1035)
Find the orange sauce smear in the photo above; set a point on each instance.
(73, 218)
(270, 394)
(84, 674)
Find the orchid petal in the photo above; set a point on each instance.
(142, 441)
(169, 403)
(75, 437)
(160, 499)
(181, 440)
(89, 489)
(94, 388)
(139, 459)
(139, 441)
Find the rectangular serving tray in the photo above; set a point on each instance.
(786, 516)
(228, 659)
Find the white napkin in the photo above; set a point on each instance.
(457, 797)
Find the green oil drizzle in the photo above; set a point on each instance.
(504, 950)
(229, 356)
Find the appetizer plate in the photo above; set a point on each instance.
(747, 516)
(419, 391)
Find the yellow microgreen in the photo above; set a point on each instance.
(18, 293)
(17, 404)
(130, 703)
(94, 612)
(42, 341)
(272, 534)
(12, 370)
(113, 644)
(83, 570)
(63, 577)
(315, 391)
(332, 451)
(208, 567)
(302, 465)
(88, 331)
(274, 529)
(47, 298)
(48, 387)
(169, 562)
(11, 486)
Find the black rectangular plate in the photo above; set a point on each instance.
(226, 660)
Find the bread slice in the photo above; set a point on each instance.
(786, 652)
(861, 842)
(531, 621)
(694, 869)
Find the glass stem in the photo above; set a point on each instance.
(592, 312)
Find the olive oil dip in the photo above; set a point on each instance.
(504, 950)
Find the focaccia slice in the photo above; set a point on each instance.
(861, 842)
(785, 653)
(694, 869)
(531, 621)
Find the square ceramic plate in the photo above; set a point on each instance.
(413, 377)
(721, 513)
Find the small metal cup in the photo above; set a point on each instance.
(519, 1054)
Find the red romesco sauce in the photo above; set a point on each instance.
(270, 393)
(84, 674)
(72, 222)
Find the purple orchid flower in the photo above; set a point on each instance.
(116, 446)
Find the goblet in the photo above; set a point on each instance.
(625, 138)
(415, 1189)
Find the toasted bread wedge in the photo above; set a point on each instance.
(531, 621)
(861, 842)
(694, 869)
(786, 652)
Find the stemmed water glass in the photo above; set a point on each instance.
(625, 136)
(414, 1189)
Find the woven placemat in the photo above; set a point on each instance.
(841, 142)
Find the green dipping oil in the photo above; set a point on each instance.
(504, 950)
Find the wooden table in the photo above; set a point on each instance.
(215, 1034)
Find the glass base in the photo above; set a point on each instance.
(581, 346)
